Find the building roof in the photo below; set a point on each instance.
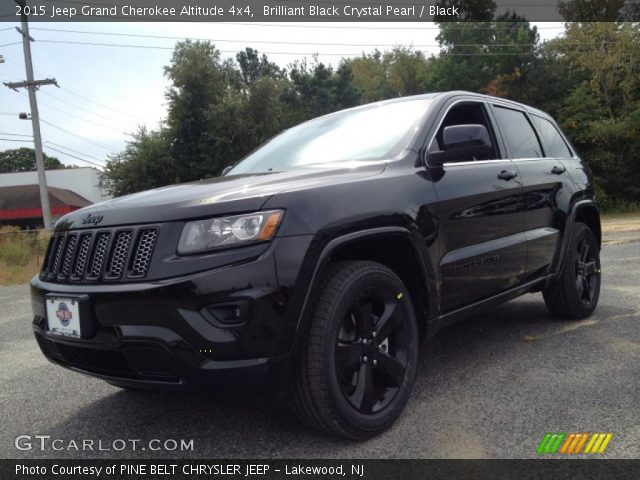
(24, 201)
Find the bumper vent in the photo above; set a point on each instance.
(100, 255)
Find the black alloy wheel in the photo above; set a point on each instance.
(574, 294)
(372, 350)
(587, 270)
(354, 374)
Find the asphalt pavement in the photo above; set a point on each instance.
(489, 387)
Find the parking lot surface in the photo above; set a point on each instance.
(489, 387)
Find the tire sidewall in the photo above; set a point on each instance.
(575, 302)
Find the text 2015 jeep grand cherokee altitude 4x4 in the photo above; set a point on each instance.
(313, 267)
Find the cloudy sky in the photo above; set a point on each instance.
(107, 91)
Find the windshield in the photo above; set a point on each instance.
(375, 132)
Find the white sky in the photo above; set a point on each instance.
(131, 83)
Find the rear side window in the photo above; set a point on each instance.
(518, 132)
(554, 144)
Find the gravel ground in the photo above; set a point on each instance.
(487, 388)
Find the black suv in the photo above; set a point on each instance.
(311, 269)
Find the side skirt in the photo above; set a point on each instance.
(455, 316)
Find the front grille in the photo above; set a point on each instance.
(99, 255)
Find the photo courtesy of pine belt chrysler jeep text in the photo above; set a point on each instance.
(310, 271)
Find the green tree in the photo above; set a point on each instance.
(595, 10)
(145, 163)
(24, 160)
(602, 113)
(201, 80)
(254, 67)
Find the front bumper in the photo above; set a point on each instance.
(160, 335)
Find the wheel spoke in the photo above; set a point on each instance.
(364, 395)
(579, 285)
(364, 319)
(392, 369)
(348, 355)
(590, 268)
(586, 289)
(388, 321)
(584, 251)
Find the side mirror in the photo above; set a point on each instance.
(462, 143)
(225, 170)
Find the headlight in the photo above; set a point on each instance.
(203, 235)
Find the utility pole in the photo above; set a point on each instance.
(32, 86)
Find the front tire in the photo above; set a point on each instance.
(574, 295)
(357, 367)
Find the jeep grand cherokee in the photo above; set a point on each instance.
(314, 266)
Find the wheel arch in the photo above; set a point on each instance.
(393, 247)
(589, 214)
(584, 211)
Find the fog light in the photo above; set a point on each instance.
(229, 314)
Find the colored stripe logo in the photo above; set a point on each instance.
(574, 443)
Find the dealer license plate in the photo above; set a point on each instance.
(63, 316)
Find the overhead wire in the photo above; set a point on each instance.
(73, 156)
(92, 142)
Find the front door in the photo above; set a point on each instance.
(479, 205)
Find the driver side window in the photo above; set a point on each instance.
(470, 113)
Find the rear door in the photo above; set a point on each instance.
(481, 242)
(537, 149)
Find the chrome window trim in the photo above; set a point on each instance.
(477, 162)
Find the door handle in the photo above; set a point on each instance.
(558, 169)
(507, 174)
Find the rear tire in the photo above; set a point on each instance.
(574, 294)
(355, 371)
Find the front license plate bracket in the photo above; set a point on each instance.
(87, 325)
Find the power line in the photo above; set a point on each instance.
(81, 118)
(112, 119)
(270, 42)
(97, 144)
(86, 99)
(10, 44)
(73, 156)
(15, 140)
(16, 134)
(100, 104)
(515, 45)
(97, 44)
(75, 151)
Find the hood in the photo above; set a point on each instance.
(211, 197)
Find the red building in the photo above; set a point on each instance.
(20, 205)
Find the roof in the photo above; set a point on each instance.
(49, 170)
(444, 96)
(28, 196)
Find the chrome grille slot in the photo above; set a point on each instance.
(69, 251)
(119, 254)
(57, 255)
(143, 252)
(82, 255)
(98, 255)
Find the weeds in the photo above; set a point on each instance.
(21, 254)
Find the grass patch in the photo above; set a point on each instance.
(619, 208)
(21, 254)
